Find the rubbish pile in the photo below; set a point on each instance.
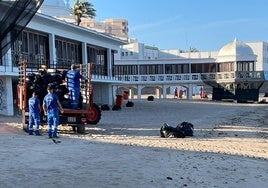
(180, 131)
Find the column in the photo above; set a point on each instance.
(111, 98)
(139, 91)
(164, 91)
(114, 93)
(84, 53)
(8, 60)
(157, 93)
(109, 63)
(6, 96)
(131, 93)
(190, 91)
(52, 50)
(9, 92)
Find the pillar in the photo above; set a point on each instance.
(131, 93)
(139, 91)
(84, 53)
(109, 61)
(6, 96)
(158, 93)
(164, 91)
(190, 91)
(114, 88)
(52, 50)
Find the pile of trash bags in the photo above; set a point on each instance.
(180, 131)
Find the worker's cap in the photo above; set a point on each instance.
(43, 66)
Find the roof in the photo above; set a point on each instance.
(236, 51)
(56, 3)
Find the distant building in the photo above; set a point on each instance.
(127, 63)
(50, 41)
(63, 11)
(138, 51)
(261, 50)
(235, 66)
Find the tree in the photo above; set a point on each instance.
(193, 49)
(83, 9)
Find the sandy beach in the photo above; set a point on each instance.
(229, 149)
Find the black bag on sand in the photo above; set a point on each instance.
(116, 108)
(105, 107)
(129, 104)
(150, 98)
(167, 131)
(187, 128)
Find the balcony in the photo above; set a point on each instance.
(160, 78)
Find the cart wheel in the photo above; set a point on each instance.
(94, 115)
(81, 129)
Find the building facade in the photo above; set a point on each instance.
(58, 8)
(50, 41)
(145, 65)
(125, 64)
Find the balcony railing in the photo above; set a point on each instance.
(99, 74)
(220, 77)
(161, 78)
(238, 76)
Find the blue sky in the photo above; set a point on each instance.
(206, 25)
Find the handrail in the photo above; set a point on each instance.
(193, 77)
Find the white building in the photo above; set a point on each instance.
(48, 40)
(63, 11)
(136, 58)
(133, 65)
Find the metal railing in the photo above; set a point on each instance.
(160, 78)
(100, 74)
(192, 77)
(235, 76)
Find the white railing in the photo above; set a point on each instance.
(161, 78)
(233, 76)
(192, 78)
(252, 75)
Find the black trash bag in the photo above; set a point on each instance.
(187, 128)
(105, 107)
(116, 108)
(167, 131)
(129, 104)
(150, 98)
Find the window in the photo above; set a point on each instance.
(32, 45)
(98, 56)
(67, 52)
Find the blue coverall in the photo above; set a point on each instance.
(73, 83)
(34, 115)
(51, 104)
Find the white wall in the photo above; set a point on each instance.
(261, 50)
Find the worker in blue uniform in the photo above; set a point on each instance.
(73, 77)
(51, 107)
(34, 114)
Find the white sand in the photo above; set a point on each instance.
(229, 149)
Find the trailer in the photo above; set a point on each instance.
(34, 77)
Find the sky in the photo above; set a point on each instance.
(206, 25)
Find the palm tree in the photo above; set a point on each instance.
(193, 49)
(83, 9)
